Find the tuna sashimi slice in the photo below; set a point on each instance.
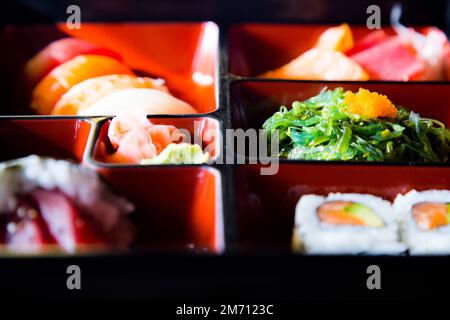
(370, 40)
(28, 236)
(26, 232)
(393, 60)
(64, 221)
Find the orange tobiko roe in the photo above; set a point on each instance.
(370, 104)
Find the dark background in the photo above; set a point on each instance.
(416, 12)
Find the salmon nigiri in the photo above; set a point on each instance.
(88, 92)
(65, 76)
(57, 53)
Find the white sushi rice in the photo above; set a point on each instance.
(436, 241)
(82, 185)
(316, 237)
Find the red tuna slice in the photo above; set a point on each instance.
(64, 221)
(370, 40)
(392, 60)
(58, 52)
(28, 237)
(26, 232)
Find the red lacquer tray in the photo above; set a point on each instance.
(211, 228)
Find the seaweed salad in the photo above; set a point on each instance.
(361, 126)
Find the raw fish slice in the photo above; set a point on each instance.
(146, 101)
(393, 60)
(372, 39)
(338, 38)
(65, 76)
(68, 204)
(58, 52)
(26, 232)
(430, 215)
(317, 64)
(27, 237)
(64, 221)
(84, 94)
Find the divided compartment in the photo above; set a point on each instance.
(203, 131)
(254, 101)
(265, 207)
(184, 54)
(177, 209)
(58, 138)
(255, 48)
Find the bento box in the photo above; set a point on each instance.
(191, 214)
(214, 224)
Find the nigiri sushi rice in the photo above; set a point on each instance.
(345, 223)
(425, 221)
(71, 207)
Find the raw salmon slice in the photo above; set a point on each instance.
(65, 76)
(349, 213)
(338, 38)
(333, 212)
(430, 215)
(58, 52)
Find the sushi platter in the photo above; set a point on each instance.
(116, 154)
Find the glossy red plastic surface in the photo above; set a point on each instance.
(176, 208)
(254, 101)
(59, 138)
(184, 54)
(201, 130)
(266, 204)
(257, 47)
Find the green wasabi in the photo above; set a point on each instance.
(181, 153)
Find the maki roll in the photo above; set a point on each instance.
(345, 223)
(56, 205)
(425, 221)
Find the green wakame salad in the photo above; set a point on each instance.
(322, 128)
